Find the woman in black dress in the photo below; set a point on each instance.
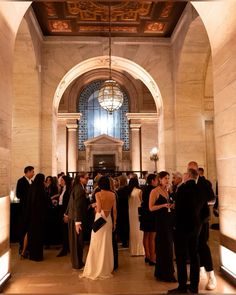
(159, 202)
(147, 221)
(36, 216)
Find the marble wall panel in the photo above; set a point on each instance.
(227, 209)
(187, 151)
(149, 137)
(221, 79)
(6, 54)
(26, 134)
(225, 121)
(226, 99)
(226, 145)
(189, 128)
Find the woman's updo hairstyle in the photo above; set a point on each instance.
(104, 183)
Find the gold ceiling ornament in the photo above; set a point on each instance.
(110, 96)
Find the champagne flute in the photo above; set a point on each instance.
(168, 202)
(168, 197)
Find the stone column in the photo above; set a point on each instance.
(67, 149)
(135, 148)
(148, 135)
(72, 147)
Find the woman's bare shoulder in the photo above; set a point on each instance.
(156, 190)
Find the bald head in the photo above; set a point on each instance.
(193, 165)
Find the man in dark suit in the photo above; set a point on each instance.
(123, 211)
(207, 193)
(22, 188)
(188, 206)
(76, 214)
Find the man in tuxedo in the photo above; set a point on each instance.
(176, 181)
(188, 206)
(76, 215)
(123, 211)
(207, 193)
(22, 188)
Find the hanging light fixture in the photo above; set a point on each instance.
(110, 96)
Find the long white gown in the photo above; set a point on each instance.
(100, 261)
(136, 235)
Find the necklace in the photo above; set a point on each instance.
(164, 191)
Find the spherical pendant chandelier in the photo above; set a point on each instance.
(110, 96)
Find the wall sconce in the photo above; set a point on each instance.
(154, 156)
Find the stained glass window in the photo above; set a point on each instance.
(96, 121)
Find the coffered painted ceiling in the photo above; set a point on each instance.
(91, 18)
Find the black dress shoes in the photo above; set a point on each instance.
(178, 291)
(192, 289)
(146, 260)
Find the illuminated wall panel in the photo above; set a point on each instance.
(4, 239)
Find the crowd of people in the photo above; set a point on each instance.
(151, 221)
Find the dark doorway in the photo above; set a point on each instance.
(104, 162)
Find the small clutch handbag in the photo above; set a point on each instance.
(98, 224)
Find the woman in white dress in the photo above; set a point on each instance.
(136, 235)
(100, 261)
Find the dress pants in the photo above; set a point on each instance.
(187, 244)
(204, 250)
(76, 243)
(64, 231)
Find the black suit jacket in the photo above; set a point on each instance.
(65, 200)
(207, 195)
(188, 206)
(78, 205)
(22, 190)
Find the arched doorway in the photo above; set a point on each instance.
(129, 67)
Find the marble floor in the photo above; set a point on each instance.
(54, 275)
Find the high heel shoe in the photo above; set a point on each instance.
(23, 256)
(151, 263)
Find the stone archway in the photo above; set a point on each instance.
(119, 64)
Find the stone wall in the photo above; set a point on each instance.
(26, 125)
(222, 34)
(10, 17)
(58, 58)
(193, 94)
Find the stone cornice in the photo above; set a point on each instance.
(69, 116)
(135, 126)
(100, 40)
(142, 116)
(72, 127)
(108, 140)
